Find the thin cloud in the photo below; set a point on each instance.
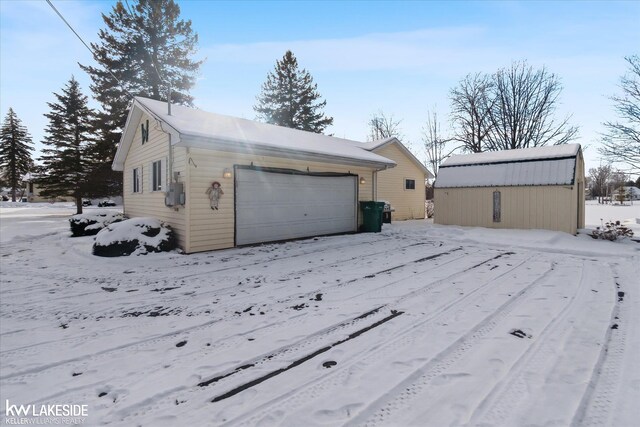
(412, 50)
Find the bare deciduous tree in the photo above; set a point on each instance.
(621, 143)
(599, 178)
(522, 114)
(616, 182)
(471, 102)
(382, 126)
(435, 144)
(513, 108)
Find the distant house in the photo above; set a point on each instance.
(540, 187)
(222, 181)
(403, 186)
(630, 193)
(31, 192)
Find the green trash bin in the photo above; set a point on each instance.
(371, 216)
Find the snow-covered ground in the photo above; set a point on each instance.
(417, 325)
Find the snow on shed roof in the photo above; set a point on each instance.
(553, 165)
(547, 152)
(216, 131)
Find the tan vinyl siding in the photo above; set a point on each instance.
(151, 203)
(408, 204)
(544, 207)
(210, 230)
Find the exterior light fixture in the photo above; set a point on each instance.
(226, 173)
(362, 180)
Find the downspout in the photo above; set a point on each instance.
(374, 185)
(170, 160)
(170, 157)
(187, 205)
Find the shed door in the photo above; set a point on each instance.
(281, 205)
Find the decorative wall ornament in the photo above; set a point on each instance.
(144, 130)
(214, 192)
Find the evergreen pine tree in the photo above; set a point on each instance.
(15, 152)
(290, 98)
(147, 47)
(65, 167)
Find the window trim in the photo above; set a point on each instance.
(414, 184)
(136, 185)
(156, 176)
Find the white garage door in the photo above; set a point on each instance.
(272, 205)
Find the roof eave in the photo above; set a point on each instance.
(196, 141)
(135, 113)
(406, 151)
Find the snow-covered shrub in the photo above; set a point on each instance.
(88, 224)
(134, 236)
(429, 207)
(611, 231)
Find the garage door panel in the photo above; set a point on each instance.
(280, 206)
(260, 214)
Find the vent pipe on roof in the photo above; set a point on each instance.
(168, 100)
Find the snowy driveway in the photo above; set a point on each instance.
(417, 325)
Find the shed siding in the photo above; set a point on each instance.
(211, 230)
(543, 207)
(408, 204)
(151, 203)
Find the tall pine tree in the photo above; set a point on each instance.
(147, 47)
(290, 98)
(65, 165)
(15, 152)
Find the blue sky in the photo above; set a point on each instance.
(398, 57)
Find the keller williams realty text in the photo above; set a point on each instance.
(51, 414)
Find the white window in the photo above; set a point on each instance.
(409, 184)
(156, 176)
(136, 179)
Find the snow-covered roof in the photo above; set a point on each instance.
(554, 165)
(381, 143)
(534, 153)
(197, 128)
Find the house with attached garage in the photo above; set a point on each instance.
(403, 185)
(222, 181)
(541, 187)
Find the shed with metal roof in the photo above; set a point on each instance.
(531, 188)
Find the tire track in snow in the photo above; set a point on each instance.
(232, 290)
(22, 291)
(283, 282)
(241, 371)
(32, 372)
(334, 380)
(238, 304)
(596, 407)
(511, 392)
(408, 390)
(139, 345)
(306, 342)
(341, 328)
